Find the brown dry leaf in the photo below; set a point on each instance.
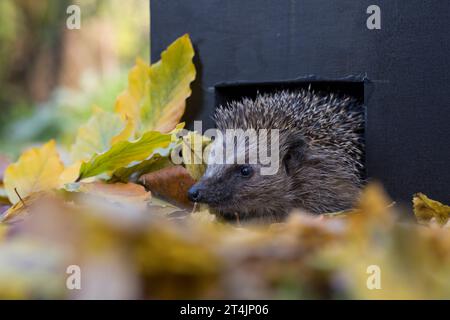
(426, 209)
(22, 208)
(116, 192)
(124, 204)
(171, 183)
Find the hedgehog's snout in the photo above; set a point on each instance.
(199, 193)
(211, 193)
(195, 193)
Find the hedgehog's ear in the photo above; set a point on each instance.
(293, 152)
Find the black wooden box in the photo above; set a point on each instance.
(401, 71)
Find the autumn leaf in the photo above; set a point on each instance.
(133, 172)
(118, 203)
(129, 103)
(172, 183)
(114, 192)
(193, 149)
(70, 173)
(426, 209)
(37, 169)
(170, 79)
(156, 94)
(124, 153)
(18, 211)
(98, 134)
(155, 161)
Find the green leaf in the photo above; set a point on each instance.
(131, 173)
(124, 153)
(159, 159)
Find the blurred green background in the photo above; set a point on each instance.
(50, 76)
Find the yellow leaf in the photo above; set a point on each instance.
(128, 104)
(70, 173)
(170, 79)
(193, 148)
(37, 169)
(374, 202)
(426, 209)
(373, 210)
(126, 133)
(101, 131)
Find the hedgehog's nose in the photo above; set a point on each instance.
(194, 193)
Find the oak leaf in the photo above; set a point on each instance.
(193, 152)
(38, 169)
(124, 153)
(425, 209)
(156, 95)
(101, 131)
(171, 183)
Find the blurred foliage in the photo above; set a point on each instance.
(60, 116)
(40, 96)
(146, 253)
(26, 28)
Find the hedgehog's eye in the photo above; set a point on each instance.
(246, 171)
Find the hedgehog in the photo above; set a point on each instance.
(320, 156)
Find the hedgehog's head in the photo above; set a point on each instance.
(315, 167)
(247, 180)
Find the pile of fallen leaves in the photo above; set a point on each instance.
(88, 208)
